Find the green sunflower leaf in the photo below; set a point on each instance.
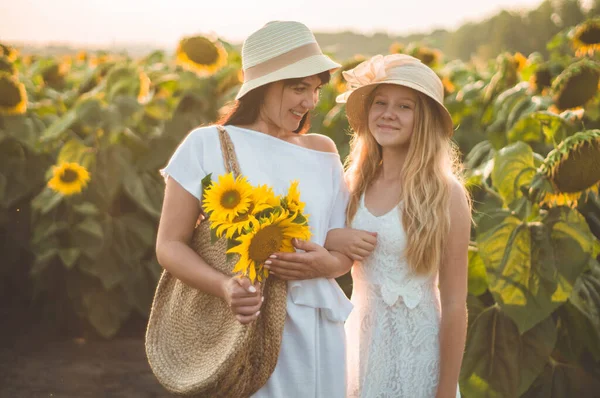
(513, 168)
(532, 267)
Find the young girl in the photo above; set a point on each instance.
(406, 334)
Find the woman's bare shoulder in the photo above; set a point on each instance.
(319, 142)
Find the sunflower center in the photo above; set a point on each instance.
(580, 170)
(266, 242)
(200, 50)
(230, 199)
(590, 35)
(68, 176)
(10, 95)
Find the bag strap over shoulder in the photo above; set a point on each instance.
(228, 151)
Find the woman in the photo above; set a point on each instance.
(410, 219)
(284, 70)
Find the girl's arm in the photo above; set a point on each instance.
(354, 243)
(313, 262)
(343, 246)
(453, 294)
(178, 218)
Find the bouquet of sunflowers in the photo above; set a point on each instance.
(255, 222)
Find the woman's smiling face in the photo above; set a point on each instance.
(285, 104)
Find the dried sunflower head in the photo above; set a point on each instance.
(570, 171)
(576, 85)
(585, 37)
(13, 97)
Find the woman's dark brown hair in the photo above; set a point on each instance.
(246, 110)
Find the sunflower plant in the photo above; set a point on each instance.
(255, 221)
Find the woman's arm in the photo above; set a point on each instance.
(453, 294)
(178, 218)
(314, 262)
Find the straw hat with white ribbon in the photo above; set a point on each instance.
(281, 50)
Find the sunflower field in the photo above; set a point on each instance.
(82, 139)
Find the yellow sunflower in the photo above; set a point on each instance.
(201, 55)
(541, 80)
(240, 223)
(54, 74)
(228, 198)
(262, 198)
(292, 199)
(13, 97)
(69, 178)
(272, 234)
(570, 171)
(429, 56)
(585, 37)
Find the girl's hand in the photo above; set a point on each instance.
(356, 244)
(243, 298)
(314, 262)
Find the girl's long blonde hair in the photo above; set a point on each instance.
(431, 164)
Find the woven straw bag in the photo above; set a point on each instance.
(194, 344)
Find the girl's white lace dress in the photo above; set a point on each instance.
(393, 332)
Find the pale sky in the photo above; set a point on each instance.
(164, 22)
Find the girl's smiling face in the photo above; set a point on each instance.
(391, 115)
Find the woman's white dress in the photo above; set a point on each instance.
(393, 332)
(312, 357)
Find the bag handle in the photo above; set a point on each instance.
(228, 151)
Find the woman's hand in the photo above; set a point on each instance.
(356, 244)
(243, 298)
(314, 262)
